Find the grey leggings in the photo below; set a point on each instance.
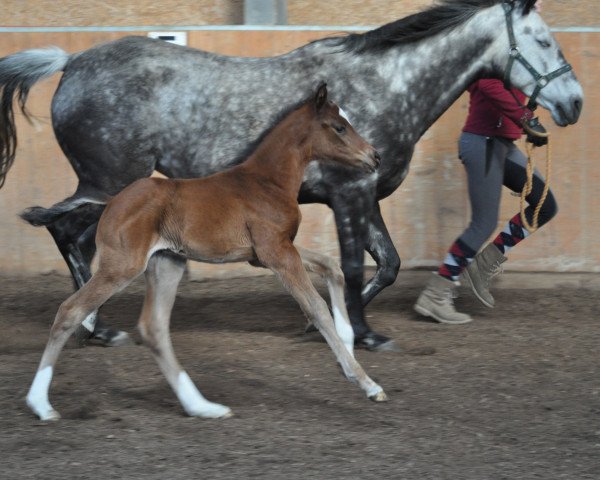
(507, 167)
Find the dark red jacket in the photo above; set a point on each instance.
(494, 112)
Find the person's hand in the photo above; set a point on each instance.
(536, 133)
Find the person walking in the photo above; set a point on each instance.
(491, 159)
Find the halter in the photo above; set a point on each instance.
(515, 54)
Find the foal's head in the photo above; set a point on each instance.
(334, 139)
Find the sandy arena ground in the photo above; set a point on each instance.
(513, 395)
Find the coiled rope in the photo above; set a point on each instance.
(527, 188)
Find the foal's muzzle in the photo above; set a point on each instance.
(372, 161)
(377, 158)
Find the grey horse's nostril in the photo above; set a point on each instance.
(577, 105)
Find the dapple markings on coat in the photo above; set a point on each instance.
(106, 108)
(247, 213)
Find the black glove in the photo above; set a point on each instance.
(536, 133)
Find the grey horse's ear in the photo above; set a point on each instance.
(528, 5)
(321, 96)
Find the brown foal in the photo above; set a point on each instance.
(247, 213)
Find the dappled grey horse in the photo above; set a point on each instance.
(126, 108)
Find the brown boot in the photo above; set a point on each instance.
(436, 301)
(478, 275)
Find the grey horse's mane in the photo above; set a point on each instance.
(442, 16)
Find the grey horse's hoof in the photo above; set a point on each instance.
(375, 342)
(120, 339)
(107, 337)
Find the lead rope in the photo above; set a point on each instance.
(529, 183)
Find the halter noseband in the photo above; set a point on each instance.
(515, 54)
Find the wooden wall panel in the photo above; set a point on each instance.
(424, 216)
(33, 13)
(557, 13)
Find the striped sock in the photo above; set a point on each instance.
(513, 233)
(459, 256)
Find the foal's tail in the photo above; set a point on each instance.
(42, 217)
(18, 73)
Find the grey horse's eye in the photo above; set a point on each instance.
(544, 43)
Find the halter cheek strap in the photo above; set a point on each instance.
(515, 54)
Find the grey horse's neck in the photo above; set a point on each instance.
(415, 83)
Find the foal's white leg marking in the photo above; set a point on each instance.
(37, 398)
(194, 403)
(344, 330)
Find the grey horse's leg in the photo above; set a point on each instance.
(351, 218)
(381, 248)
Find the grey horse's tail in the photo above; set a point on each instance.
(18, 73)
(42, 217)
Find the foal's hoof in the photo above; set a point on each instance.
(376, 343)
(44, 411)
(211, 410)
(51, 416)
(379, 397)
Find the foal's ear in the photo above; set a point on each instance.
(321, 96)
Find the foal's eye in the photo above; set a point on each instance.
(543, 43)
(340, 128)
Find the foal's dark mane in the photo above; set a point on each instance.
(443, 16)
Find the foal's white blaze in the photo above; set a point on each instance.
(37, 398)
(344, 115)
(194, 403)
(344, 330)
